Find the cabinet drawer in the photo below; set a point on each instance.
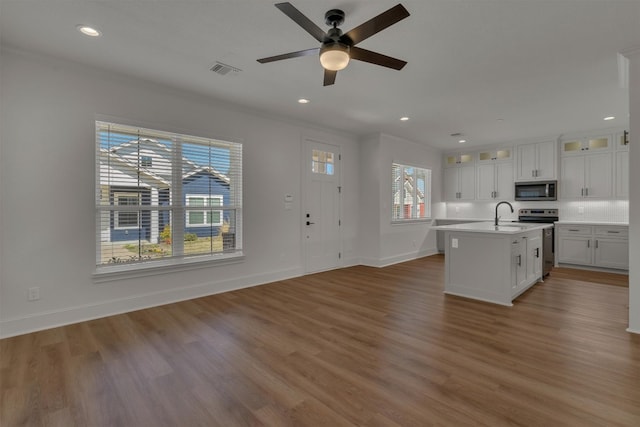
(575, 230)
(612, 232)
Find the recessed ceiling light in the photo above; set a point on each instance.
(303, 101)
(609, 118)
(462, 141)
(88, 31)
(404, 119)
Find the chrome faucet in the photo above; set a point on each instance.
(499, 203)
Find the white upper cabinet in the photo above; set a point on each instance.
(459, 183)
(588, 164)
(495, 155)
(587, 144)
(586, 177)
(621, 141)
(458, 159)
(622, 165)
(494, 181)
(536, 161)
(459, 176)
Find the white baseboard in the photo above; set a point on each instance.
(47, 320)
(385, 262)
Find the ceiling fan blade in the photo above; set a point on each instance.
(376, 58)
(329, 77)
(377, 24)
(297, 16)
(306, 52)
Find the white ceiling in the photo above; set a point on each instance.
(496, 71)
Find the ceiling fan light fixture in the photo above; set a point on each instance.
(334, 56)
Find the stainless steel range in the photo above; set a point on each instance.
(543, 216)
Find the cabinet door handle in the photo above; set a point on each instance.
(582, 192)
(533, 173)
(537, 252)
(596, 244)
(519, 260)
(588, 243)
(572, 229)
(613, 232)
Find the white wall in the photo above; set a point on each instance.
(47, 190)
(370, 167)
(386, 243)
(634, 192)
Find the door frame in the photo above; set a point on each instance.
(305, 195)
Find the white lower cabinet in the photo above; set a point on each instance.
(597, 246)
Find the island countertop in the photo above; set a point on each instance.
(489, 227)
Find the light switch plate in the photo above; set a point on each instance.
(454, 242)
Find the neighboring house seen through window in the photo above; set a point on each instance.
(165, 199)
(411, 192)
(322, 162)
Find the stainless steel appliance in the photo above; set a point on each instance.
(536, 190)
(543, 216)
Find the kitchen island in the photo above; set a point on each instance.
(493, 263)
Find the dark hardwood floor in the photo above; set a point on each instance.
(357, 346)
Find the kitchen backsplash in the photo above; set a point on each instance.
(601, 210)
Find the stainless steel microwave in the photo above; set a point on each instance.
(536, 190)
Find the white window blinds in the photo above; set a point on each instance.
(411, 193)
(163, 195)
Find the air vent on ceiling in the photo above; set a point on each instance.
(224, 69)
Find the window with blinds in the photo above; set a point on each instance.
(411, 193)
(165, 197)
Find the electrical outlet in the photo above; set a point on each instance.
(33, 294)
(454, 243)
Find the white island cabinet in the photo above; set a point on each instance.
(492, 263)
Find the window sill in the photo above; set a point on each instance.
(413, 221)
(112, 273)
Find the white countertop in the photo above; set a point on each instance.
(464, 219)
(563, 222)
(489, 227)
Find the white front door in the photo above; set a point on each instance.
(321, 213)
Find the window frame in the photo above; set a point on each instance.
(182, 258)
(116, 214)
(427, 196)
(206, 209)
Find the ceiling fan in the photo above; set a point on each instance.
(336, 48)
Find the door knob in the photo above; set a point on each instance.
(309, 223)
